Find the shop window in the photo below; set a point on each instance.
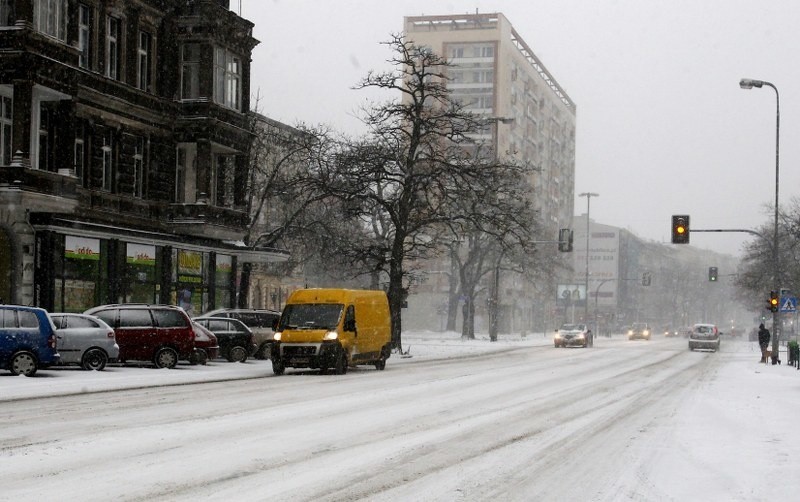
(142, 273)
(77, 281)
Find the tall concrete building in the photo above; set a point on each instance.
(532, 119)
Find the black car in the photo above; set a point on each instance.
(260, 322)
(234, 338)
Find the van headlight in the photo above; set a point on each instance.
(276, 336)
(331, 335)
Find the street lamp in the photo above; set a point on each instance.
(588, 196)
(494, 301)
(747, 83)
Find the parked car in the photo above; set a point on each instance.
(704, 336)
(27, 339)
(85, 340)
(639, 330)
(234, 338)
(162, 334)
(205, 345)
(260, 322)
(572, 335)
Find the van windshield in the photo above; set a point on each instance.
(311, 316)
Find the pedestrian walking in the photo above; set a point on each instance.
(763, 341)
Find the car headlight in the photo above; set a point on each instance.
(581, 335)
(276, 336)
(331, 335)
(646, 332)
(557, 336)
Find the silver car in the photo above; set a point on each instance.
(85, 340)
(704, 336)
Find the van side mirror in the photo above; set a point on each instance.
(349, 325)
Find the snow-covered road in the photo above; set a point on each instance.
(513, 420)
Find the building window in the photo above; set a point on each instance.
(227, 78)
(50, 18)
(107, 182)
(46, 139)
(113, 33)
(190, 71)
(139, 162)
(79, 153)
(6, 12)
(222, 181)
(84, 35)
(6, 122)
(186, 174)
(144, 56)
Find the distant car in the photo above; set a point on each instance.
(234, 338)
(205, 345)
(85, 340)
(704, 336)
(573, 335)
(670, 333)
(27, 339)
(162, 334)
(260, 322)
(639, 330)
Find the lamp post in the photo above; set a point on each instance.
(747, 83)
(494, 301)
(588, 196)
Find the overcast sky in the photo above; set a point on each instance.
(662, 125)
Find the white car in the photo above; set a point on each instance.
(573, 335)
(85, 340)
(704, 336)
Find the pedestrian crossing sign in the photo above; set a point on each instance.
(789, 304)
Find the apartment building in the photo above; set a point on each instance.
(124, 143)
(530, 118)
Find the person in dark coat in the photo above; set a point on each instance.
(763, 341)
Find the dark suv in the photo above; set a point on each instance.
(260, 323)
(27, 339)
(162, 334)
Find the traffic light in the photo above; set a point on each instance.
(680, 229)
(565, 240)
(712, 274)
(773, 301)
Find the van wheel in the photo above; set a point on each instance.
(341, 363)
(23, 363)
(237, 354)
(166, 357)
(380, 364)
(94, 360)
(277, 367)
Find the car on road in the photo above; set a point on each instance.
(161, 334)
(27, 339)
(205, 345)
(639, 330)
(671, 332)
(573, 335)
(85, 340)
(704, 336)
(234, 338)
(260, 322)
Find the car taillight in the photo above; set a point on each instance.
(51, 341)
(110, 333)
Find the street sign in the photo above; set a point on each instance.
(789, 304)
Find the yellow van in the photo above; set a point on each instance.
(332, 329)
